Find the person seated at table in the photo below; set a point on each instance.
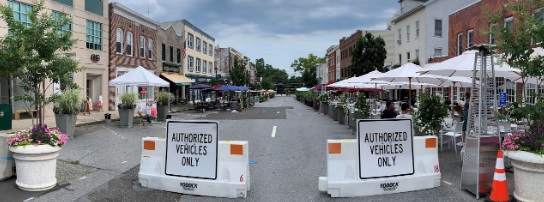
(406, 111)
(456, 109)
(389, 112)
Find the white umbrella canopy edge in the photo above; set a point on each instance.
(139, 77)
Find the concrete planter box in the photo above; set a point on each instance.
(324, 108)
(316, 105)
(335, 113)
(341, 116)
(161, 112)
(331, 111)
(36, 166)
(126, 118)
(66, 124)
(528, 174)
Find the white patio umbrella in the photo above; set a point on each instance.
(363, 79)
(405, 85)
(463, 65)
(405, 73)
(303, 89)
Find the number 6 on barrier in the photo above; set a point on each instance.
(241, 178)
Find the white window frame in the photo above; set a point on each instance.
(210, 65)
(417, 55)
(492, 36)
(399, 39)
(198, 44)
(436, 27)
(119, 39)
(417, 29)
(198, 63)
(130, 43)
(150, 48)
(459, 43)
(470, 38)
(210, 49)
(142, 47)
(437, 49)
(204, 47)
(204, 66)
(407, 33)
(190, 63)
(191, 41)
(530, 89)
(509, 20)
(408, 56)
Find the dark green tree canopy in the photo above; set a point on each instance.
(307, 68)
(238, 74)
(269, 74)
(369, 54)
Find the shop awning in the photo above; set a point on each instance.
(178, 79)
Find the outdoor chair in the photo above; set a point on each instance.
(456, 133)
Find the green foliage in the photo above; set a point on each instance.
(516, 44)
(67, 102)
(238, 74)
(369, 54)
(324, 97)
(33, 54)
(430, 114)
(164, 97)
(307, 67)
(266, 83)
(128, 101)
(271, 95)
(362, 105)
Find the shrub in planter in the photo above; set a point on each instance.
(67, 105)
(126, 109)
(430, 114)
(163, 98)
(362, 106)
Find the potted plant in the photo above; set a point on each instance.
(35, 152)
(67, 105)
(126, 109)
(525, 151)
(162, 104)
(324, 106)
(430, 114)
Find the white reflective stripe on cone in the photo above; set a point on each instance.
(500, 176)
(500, 163)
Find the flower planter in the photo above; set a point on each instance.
(335, 113)
(126, 117)
(36, 166)
(66, 124)
(161, 112)
(341, 116)
(324, 108)
(331, 110)
(528, 174)
(316, 105)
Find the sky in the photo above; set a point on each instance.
(279, 31)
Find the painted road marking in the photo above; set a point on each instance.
(29, 199)
(82, 178)
(124, 162)
(448, 183)
(274, 131)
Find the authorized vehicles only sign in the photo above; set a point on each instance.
(191, 149)
(385, 148)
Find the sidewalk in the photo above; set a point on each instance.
(94, 118)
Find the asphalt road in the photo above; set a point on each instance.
(286, 167)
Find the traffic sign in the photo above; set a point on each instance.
(502, 99)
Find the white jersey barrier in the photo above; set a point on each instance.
(381, 174)
(232, 179)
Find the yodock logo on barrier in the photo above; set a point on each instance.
(389, 186)
(188, 186)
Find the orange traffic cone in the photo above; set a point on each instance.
(499, 189)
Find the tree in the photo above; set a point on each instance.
(33, 53)
(259, 66)
(369, 54)
(238, 75)
(307, 67)
(267, 83)
(516, 42)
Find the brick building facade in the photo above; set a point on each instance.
(132, 41)
(346, 47)
(331, 63)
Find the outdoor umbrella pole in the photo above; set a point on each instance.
(452, 91)
(410, 90)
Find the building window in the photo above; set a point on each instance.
(408, 56)
(66, 2)
(94, 35)
(163, 52)
(210, 65)
(191, 41)
(407, 33)
(204, 47)
(492, 37)
(438, 27)
(417, 55)
(198, 62)
(197, 44)
(210, 50)
(171, 54)
(20, 12)
(510, 91)
(150, 48)
(67, 28)
(204, 66)
(509, 23)
(459, 43)
(417, 29)
(530, 93)
(178, 59)
(149, 92)
(470, 38)
(95, 6)
(400, 58)
(129, 43)
(398, 40)
(142, 47)
(437, 52)
(190, 63)
(119, 40)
